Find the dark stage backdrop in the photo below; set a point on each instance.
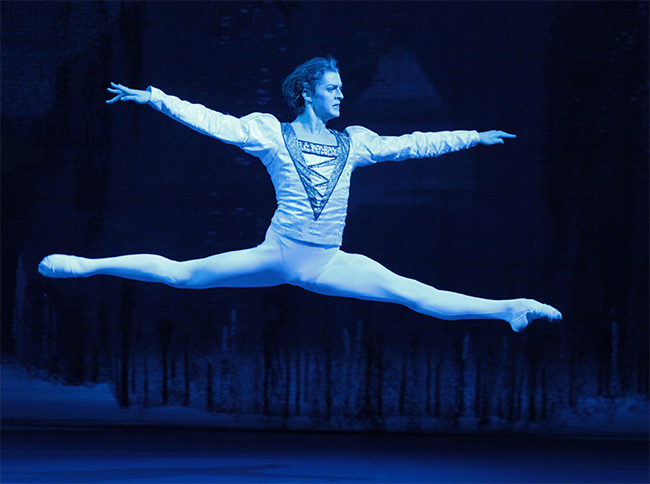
(560, 214)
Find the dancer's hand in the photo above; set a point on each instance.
(493, 137)
(126, 94)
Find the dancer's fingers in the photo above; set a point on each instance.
(121, 88)
(116, 89)
(494, 137)
(503, 134)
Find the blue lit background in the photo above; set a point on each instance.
(560, 215)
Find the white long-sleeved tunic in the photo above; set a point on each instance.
(311, 181)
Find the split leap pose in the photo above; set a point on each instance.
(310, 167)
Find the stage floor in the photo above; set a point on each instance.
(167, 455)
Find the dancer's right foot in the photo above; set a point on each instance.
(527, 310)
(61, 266)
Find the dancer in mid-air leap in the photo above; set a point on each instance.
(310, 167)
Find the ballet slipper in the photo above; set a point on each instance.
(60, 266)
(527, 310)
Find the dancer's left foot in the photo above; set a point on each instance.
(527, 310)
(61, 266)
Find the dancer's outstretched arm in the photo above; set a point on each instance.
(377, 149)
(250, 133)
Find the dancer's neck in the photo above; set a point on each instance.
(309, 127)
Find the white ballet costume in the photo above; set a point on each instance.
(301, 246)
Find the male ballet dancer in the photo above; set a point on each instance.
(310, 167)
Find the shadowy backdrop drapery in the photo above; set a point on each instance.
(560, 214)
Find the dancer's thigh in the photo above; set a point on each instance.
(256, 267)
(358, 276)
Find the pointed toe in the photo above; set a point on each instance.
(59, 266)
(527, 310)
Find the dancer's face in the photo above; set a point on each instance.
(326, 99)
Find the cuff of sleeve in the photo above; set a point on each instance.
(156, 97)
(475, 139)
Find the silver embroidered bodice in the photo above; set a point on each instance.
(319, 166)
(311, 181)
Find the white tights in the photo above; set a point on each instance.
(323, 270)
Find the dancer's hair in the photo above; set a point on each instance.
(305, 77)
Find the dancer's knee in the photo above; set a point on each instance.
(177, 274)
(412, 293)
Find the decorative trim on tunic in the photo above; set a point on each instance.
(318, 187)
